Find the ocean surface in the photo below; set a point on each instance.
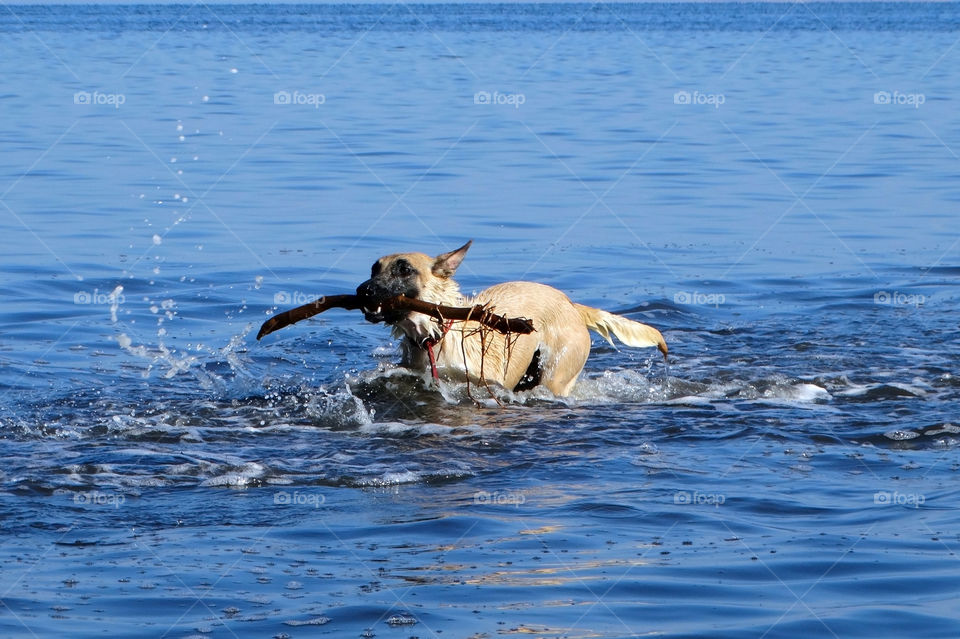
(775, 187)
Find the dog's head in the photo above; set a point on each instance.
(414, 275)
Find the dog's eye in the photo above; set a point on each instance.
(402, 268)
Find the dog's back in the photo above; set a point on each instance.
(553, 355)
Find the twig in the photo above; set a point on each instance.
(475, 313)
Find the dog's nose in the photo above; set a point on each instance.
(369, 290)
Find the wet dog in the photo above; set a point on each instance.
(553, 355)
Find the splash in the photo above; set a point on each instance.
(115, 297)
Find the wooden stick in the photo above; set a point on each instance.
(475, 313)
(294, 315)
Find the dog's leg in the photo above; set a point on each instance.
(533, 375)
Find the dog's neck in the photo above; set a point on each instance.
(442, 290)
(419, 327)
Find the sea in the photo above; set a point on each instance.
(774, 186)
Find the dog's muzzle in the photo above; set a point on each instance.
(372, 296)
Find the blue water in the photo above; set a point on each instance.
(774, 186)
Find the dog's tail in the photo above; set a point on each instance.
(627, 331)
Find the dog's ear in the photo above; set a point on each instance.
(445, 265)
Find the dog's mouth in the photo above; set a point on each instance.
(375, 302)
(375, 313)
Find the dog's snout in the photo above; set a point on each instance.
(374, 292)
(372, 295)
(387, 281)
(367, 290)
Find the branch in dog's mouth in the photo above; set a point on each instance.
(378, 312)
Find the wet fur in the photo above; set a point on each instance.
(553, 355)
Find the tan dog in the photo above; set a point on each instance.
(553, 355)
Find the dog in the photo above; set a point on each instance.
(552, 356)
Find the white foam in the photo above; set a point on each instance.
(806, 393)
(690, 400)
(399, 428)
(237, 478)
(342, 407)
(901, 435)
(396, 478)
(614, 387)
(910, 388)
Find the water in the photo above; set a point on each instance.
(792, 230)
